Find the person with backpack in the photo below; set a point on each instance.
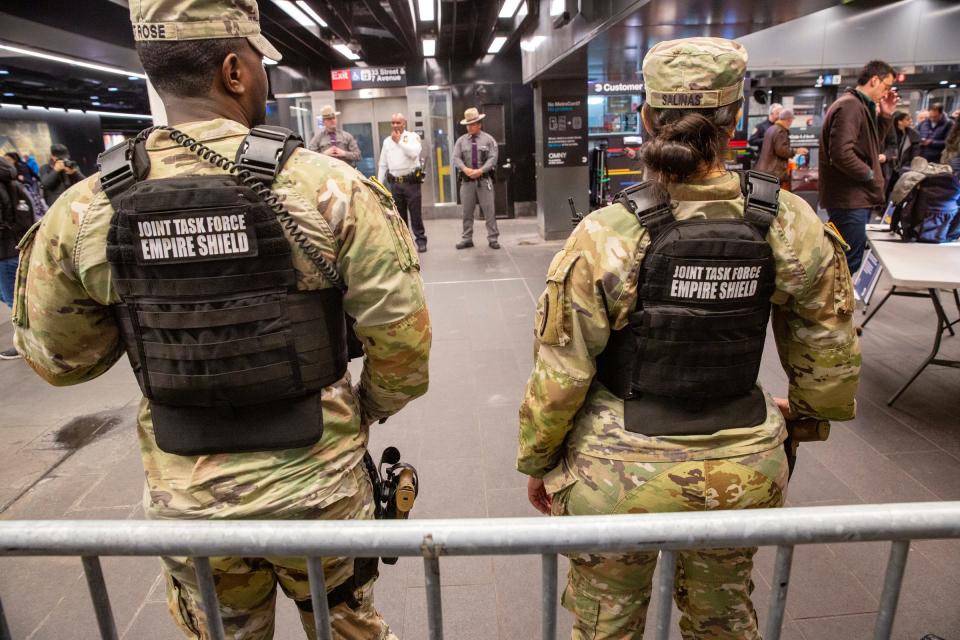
(926, 200)
(648, 339)
(16, 217)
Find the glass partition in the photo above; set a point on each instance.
(614, 115)
(441, 129)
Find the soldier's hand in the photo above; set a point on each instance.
(784, 405)
(537, 495)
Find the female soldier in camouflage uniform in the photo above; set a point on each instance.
(584, 458)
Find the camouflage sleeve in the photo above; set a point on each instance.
(62, 324)
(385, 295)
(572, 328)
(813, 317)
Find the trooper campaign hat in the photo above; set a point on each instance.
(694, 73)
(326, 111)
(200, 20)
(472, 115)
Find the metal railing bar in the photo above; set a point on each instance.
(668, 562)
(891, 589)
(98, 594)
(208, 593)
(499, 536)
(4, 629)
(318, 598)
(549, 580)
(778, 599)
(431, 571)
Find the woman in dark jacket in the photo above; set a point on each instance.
(903, 145)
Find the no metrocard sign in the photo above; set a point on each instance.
(368, 78)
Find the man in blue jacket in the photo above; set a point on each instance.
(933, 133)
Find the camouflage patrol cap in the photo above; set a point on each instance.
(694, 73)
(200, 20)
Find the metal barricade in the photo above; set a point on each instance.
(433, 539)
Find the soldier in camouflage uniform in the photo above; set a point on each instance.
(573, 444)
(66, 330)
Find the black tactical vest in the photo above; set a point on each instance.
(230, 354)
(688, 360)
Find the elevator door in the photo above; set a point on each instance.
(368, 119)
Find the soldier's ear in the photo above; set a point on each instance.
(232, 75)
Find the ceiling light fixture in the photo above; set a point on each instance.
(345, 51)
(433, 87)
(294, 12)
(429, 47)
(497, 44)
(532, 43)
(4, 72)
(73, 62)
(426, 10)
(310, 12)
(943, 82)
(509, 8)
(112, 89)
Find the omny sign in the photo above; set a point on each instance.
(368, 78)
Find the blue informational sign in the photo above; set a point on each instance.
(868, 277)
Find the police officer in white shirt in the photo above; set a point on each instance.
(400, 170)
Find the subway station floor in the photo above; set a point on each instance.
(72, 453)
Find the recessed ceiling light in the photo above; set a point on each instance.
(71, 61)
(429, 47)
(943, 82)
(94, 97)
(112, 89)
(294, 12)
(310, 12)
(497, 44)
(426, 10)
(509, 8)
(4, 72)
(346, 52)
(7, 94)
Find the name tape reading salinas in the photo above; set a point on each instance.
(200, 237)
(699, 282)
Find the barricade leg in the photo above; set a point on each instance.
(4, 629)
(781, 580)
(318, 598)
(431, 570)
(208, 592)
(549, 622)
(98, 593)
(668, 565)
(891, 589)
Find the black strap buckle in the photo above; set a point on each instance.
(760, 191)
(262, 151)
(117, 171)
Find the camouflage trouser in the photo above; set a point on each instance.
(246, 587)
(609, 593)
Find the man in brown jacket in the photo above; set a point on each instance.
(775, 152)
(851, 181)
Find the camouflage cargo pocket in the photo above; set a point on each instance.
(180, 607)
(19, 313)
(844, 303)
(558, 482)
(400, 234)
(553, 315)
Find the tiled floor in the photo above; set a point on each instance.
(71, 453)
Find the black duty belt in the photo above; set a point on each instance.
(406, 178)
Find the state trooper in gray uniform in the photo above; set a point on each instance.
(475, 156)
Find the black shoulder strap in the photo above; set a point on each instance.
(650, 203)
(761, 199)
(121, 166)
(265, 150)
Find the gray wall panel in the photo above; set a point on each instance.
(903, 33)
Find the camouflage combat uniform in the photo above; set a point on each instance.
(571, 430)
(66, 331)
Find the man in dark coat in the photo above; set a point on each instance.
(756, 138)
(851, 180)
(776, 152)
(59, 174)
(933, 133)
